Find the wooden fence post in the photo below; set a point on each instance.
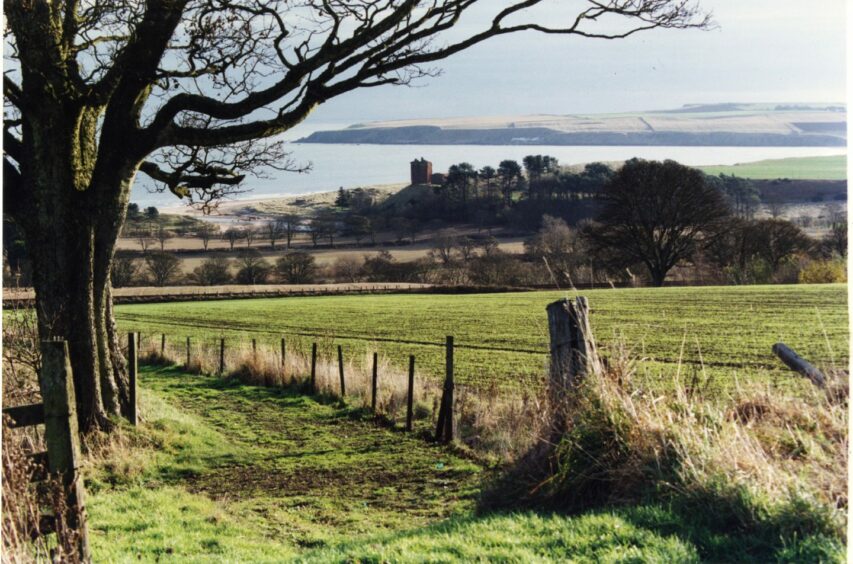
(411, 396)
(314, 368)
(62, 436)
(796, 363)
(444, 428)
(188, 353)
(254, 349)
(573, 352)
(374, 382)
(132, 371)
(163, 344)
(221, 356)
(341, 370)
(283, 353)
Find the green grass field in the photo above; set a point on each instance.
(796, 168)
(223, 472)
(723, 334)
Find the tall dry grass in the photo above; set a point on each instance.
(752, 459)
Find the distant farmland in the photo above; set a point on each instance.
(832, 167)
(713, 334)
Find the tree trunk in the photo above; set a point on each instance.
(71, 240)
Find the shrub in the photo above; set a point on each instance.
(297, 267)
(824, 272)
(252, 267)
(212, 272)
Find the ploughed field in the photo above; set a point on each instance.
(713, 336)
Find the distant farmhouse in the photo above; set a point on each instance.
(421, 171)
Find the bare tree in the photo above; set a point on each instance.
(248, 234)
(162, 234)
(290, 224)
(443, 247)
(296, 268)
(187, 91)
(232, 235)
(347, 269)
(144, 238)
(252, 268)
(206, 232)
(162, 266)
(124, 270)
(275, 229)
(212, 271)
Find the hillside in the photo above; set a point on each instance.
(833, 167)
(697, 125)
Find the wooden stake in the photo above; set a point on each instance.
(448, 423)
(796, 363)
(221, 356)
(188, 353)
(132, 368)
(341, 370)
(314, 368)
(283, 354)
(163, 344)
(444, 426)
(374, 382)
(411, 397)
(62, 436)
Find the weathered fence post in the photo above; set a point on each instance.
(374, 382)
(283, 354)
(573, 353)
(62, 436)
(221, 356)
(444, 428)
(314, 368)
(798, 364)
(163, 344)
(341, 370)
(254, 350)
(188, 353)
(132, 372)
(411, 396)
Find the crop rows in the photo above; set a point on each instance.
(719, 333)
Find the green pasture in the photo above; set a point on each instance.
(833, 167)
(720, 335)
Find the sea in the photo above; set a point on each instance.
(350, 166)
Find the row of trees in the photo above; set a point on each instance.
(742, 252)
(159, 268)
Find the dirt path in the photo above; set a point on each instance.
(339, 472)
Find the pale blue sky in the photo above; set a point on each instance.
(763, 51)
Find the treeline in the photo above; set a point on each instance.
(746, 252)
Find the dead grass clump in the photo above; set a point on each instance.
(752, 460)
(35, 517)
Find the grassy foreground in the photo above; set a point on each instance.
(723, 334)
(227, 472)
(832, 167)
(220, 471)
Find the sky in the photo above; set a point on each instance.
(761, 51)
